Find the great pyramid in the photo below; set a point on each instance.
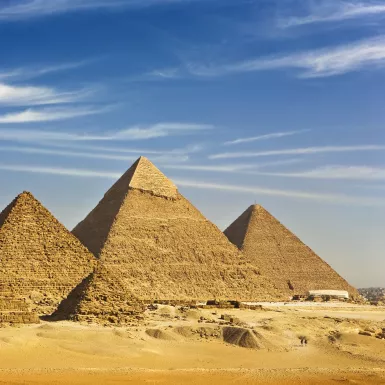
(40, 260)
(288, 262)
(162, 247)
(101, 298)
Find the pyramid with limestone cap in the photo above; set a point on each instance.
(282, 257)
(162, 247)
(40, 260)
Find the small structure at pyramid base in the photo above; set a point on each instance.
(101, 298)
(16, 311)
(40, 260)
(333, 294)
(163, 248)
(289, 263)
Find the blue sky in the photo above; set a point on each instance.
(277, 102)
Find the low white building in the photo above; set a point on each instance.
(332, 293)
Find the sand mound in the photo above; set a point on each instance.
(184, 331)
(244, 338)
(159, 334)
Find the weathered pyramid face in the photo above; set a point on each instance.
(162, 247)
(288, 262)
(101, 298)
(39, 258)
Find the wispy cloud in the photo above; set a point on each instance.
(249, 169)
(165, 73)
(135, 133)
(336, 172)
(330, 61)
(48, 114)
(299, 151)
(162, 130)
(101, 156)
(331, 198)
(73, 172)
(273, 135)
(251, 190)
(29, 95)
(25, 73)
(175, 156)
(329, 11)
(24, 9)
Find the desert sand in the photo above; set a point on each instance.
(194, 346)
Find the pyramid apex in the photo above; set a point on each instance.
(25, 194)
(145, 176)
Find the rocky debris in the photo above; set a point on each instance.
(290, 264)
(381, 334)
(163, 248)
(373, 332)
(40, 260)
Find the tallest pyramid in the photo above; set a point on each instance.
(162, 247)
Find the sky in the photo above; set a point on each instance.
(275, 102)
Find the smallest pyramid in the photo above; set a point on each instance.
(282, 256)
(101, 298)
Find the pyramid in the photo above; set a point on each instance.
(288, 262)
(40, 260)
(162, 247)
(101, 298)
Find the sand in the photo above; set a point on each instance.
(175, 347)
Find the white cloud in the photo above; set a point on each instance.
(165, 73)
(165, 157)
(161, 130)
(323, 62)
(331, 198)
(48, 114)
(273, 135)
(232, 168)
(329, 11)
(37, 8)
(299, 151)
(30, 95)
(136, 133)
(35, 71)
(74, 172)
(251, 190)
(336, 172)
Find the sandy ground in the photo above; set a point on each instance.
(175, 347)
